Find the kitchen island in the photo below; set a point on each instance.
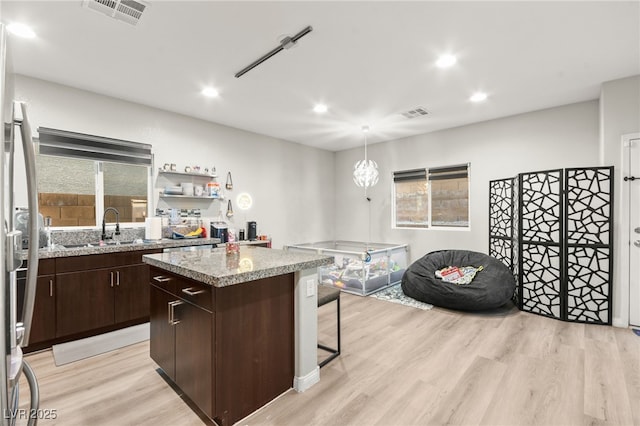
(234, 331)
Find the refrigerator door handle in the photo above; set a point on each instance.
(32, 204)
(12, 247)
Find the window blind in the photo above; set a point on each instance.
(414, 174)
(63, 143)
(449, 172)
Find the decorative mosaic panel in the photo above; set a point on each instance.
(515, 242)
(540, 279)
(501, 220)
(588, 206)
(589, 240)
(500, 208)
(541, 206)
(588, 279)
(540, 243)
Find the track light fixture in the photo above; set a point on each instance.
(285, 43)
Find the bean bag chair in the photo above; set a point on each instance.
(492, 287)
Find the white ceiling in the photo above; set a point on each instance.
(367, 60)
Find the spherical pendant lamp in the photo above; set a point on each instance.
(365, 172)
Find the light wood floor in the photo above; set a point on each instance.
(399, 366)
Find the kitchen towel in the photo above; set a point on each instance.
(153, 228)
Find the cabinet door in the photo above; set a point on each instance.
(132, 293)
(194, 355)
(43, 325)
(84, 301)
(162, 337)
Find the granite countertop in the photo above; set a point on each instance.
(216, 268)
(67, 251)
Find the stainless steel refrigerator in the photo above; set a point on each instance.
(16, 330)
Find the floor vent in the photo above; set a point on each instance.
(414, 113)
(129, 11)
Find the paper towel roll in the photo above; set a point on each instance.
(153, 228)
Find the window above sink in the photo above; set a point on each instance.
(77, 182)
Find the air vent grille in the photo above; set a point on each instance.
(415, 112)
(129, 11)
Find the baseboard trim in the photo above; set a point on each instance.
(619, 322)
(301, 384)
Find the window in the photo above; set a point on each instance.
(81, 175)
(437, 197)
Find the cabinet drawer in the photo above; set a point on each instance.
(196, 293)
(192, 291)
(96, 261)
(163, 280)
(46, 266)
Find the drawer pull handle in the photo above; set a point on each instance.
(118, 278)
(50, 288)
(111, 279)
(161, 279)
(189, 291)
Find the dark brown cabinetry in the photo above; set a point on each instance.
(183, 344)
(79, 296)
(132, 293)
(97, 291)
(43, 324)
(84, 301)
(229, 349)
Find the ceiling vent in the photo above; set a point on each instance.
(129, 11)
(415, 112)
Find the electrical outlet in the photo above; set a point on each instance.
(311, 287)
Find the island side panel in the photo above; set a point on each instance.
(307, 372)
(254, 345)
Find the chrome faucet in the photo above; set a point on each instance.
(104, 232)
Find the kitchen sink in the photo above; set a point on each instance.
(98, 244)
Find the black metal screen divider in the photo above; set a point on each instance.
(589, 244)
(560, 242)
(540, 242)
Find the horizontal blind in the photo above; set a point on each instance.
(63, 143)
(415, 174)
(449, 172)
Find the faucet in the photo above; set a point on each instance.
(104, 232)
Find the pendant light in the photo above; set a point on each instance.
(365, 172)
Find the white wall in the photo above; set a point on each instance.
(290, 183)
(560, 137)
(303, 194)
(619, 115)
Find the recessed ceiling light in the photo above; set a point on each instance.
(478, 97)
(210, 92)
(445, 61)
(21, 30)
(320, 108)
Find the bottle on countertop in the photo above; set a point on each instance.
(232, 243)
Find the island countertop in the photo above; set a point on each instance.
(219, 269)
